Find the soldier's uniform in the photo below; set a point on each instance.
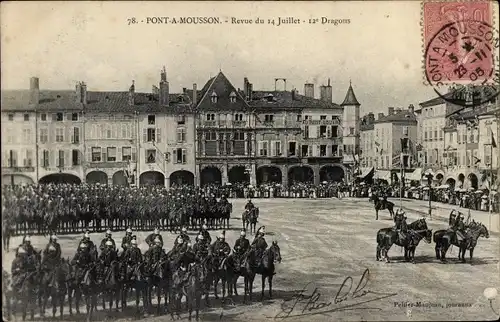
(26, 246)
(51, 254)
(184, 235)
(103, 242)
(90, 244)
(82, 260)
(200, 249)
(22, 265)
(459, 228)
(249, 206)
(241, 246)
(206, 235)
(151, 237)
(260, 246)
(154, 255)
(126, 239)
(107, 256)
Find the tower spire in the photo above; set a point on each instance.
(164, 74)
(350, 98)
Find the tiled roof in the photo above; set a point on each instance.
(223, 88)
(350, 98)
(96, 101)
(283, 99)
(398, 117)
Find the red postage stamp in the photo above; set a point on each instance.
(460, 42)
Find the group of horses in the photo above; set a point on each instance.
(418, 230)
(113, 283)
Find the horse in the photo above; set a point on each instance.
(220, 267)
(250, 217)
(193, 290)
(265, 268)
(26, 288)
(159, 277)
(386, 237)
(381, 205)
(110, 284)
(86, 286)
(134, 278)
(55, 288)
(445, 238)
(225, 210)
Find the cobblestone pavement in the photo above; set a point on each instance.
(325, 241)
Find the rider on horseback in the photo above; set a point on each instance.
(200, 249)
(26, 245)
(401, 226)
(106, 239)
(82, 260)
(21, 266)
(51, 254)
(220, 246)
(86, 240)
(241, 246)
(183, 235)
(107, 256)
(126, 239)
(156, 234)
(249, 206)
(206, 235)
(132, 256)
(259, 244)
(459, 229)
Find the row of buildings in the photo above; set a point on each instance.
(216, 134)
(224, 134)
(457, 144)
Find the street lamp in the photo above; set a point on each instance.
(429, 183)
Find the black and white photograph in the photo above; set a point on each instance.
(250, 161)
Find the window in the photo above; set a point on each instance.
(335, 131)
(441, 135)
(292, 148)
(108, 131)
(74, 116)
(150, 135)
(76, 135)
(28, 162)
(75, 157)
(181, 135)
(305, 150)
(214, 97)
(11, 117)
(26, 117)
(269, 118)
(45, 158)
(210, 117)
(277, 148)
(335, 150)
(180, 156)
(26, 135)
(111, 154)
(322, 117)
(59, 135)
(60, 159)
(43, 117)
(150, 156)
(126, 153)
(58, 117)
(263, 148)
(238, 117)
(299, 118)
(307, 117)
(96, 154)
(322, 150)
(232, 97)
(12, 158)
(351, 131)
(151, 120)
(322, 131)
(181, 119)
(306, 132)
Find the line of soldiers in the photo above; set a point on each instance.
(183, 252)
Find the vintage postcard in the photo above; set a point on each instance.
(250, 161)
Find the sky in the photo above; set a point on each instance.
(380, 50)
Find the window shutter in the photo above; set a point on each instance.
(144, 135)
(89, 154)
(329, 131)
(158, 135)
(310, 152)
(273, 149)
(52, 158)
(317, 131)
(73, 135)
(259, 146)
(67, 156)
(183, 155)
(174, 156)
(119, 154)
(104, 155)
(134, 154)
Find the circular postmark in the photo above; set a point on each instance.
(461, 63)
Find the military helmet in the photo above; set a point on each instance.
(157, 241)
(156, 231)
(243, 233)
(204, 227)
(109, 243)
(129, 231)
(27, 239)
(108, 232)
(86, 235)
(200, 237)
(180, 240)
(53, 237)
(184, 230)
(83, 245)
(221, 236)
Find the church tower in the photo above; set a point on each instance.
(350, 127)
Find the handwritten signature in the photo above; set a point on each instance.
(310, 303)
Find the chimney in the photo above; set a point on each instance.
(293, 94)
(155, 90)
(309, 90)
(391, 110)
(34, 91)
(250, 91)
(164, 98)
(380, 116)
(322, 93)
(371, 117)
(84, 93)
(195, 95)
(78, 92)
(245, 87)
(131, 94)
(329, 96)
(184, 90)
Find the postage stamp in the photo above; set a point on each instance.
(461, 49)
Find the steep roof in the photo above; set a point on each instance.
(285, 99)
(404, 116)
(350, 98)
(223, 88)
(18, 100)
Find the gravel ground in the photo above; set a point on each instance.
(329, 271)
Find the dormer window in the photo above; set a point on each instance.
(210, 117)
(214, 97)
(232, 97)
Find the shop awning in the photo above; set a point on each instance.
(416, 175)
(366, 172)
(382, 175)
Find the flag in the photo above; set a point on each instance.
(493, 143)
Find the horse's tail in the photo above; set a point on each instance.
(380, 238)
